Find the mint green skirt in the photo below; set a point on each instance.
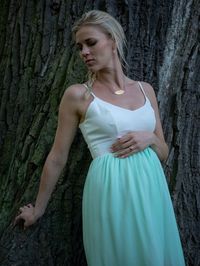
(128, 217)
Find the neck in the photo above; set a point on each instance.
(113, 75)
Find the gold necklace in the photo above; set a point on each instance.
(119, 92)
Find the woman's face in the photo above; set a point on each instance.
(96, 48)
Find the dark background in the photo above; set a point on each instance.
(38, 62)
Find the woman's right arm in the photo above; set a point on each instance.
(68, 120)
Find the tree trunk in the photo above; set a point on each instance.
(38, 62)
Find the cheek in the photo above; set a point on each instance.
(105, 50)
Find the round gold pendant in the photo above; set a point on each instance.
(119, 92)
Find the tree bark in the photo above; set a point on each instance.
(38, 62)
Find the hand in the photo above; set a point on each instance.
(131, 143)
(27, 213)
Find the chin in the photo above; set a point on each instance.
(93, 68)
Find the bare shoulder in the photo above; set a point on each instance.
(74, 92)
(146, 86)
(73, 96)
(150, 94)
(148, 89)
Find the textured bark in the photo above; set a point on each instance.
(38, 62)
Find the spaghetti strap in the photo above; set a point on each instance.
(142, 89)
(89, 89)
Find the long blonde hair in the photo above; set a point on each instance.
(109, 25)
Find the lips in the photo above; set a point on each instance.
(89, 61)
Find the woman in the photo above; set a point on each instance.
(128, 217)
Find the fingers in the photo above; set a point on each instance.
(125, 146)
(28, 206)
(130, 143)
(17, 219)
(25, 213)
(127, 152)
(26, 224)
(123, 143)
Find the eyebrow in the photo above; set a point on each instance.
(88, 39)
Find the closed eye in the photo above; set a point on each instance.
(88, 42)
(91, 42)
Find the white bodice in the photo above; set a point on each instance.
(105, 122)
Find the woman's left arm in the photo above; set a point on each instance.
(137, 141)
(158, 141)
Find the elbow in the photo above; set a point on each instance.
(57, 160)
(165, 152)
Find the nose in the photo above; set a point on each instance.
(85, 50)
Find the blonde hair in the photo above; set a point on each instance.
(109, 25)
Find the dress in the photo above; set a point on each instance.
(128, 218)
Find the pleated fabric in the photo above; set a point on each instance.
(128, 218)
